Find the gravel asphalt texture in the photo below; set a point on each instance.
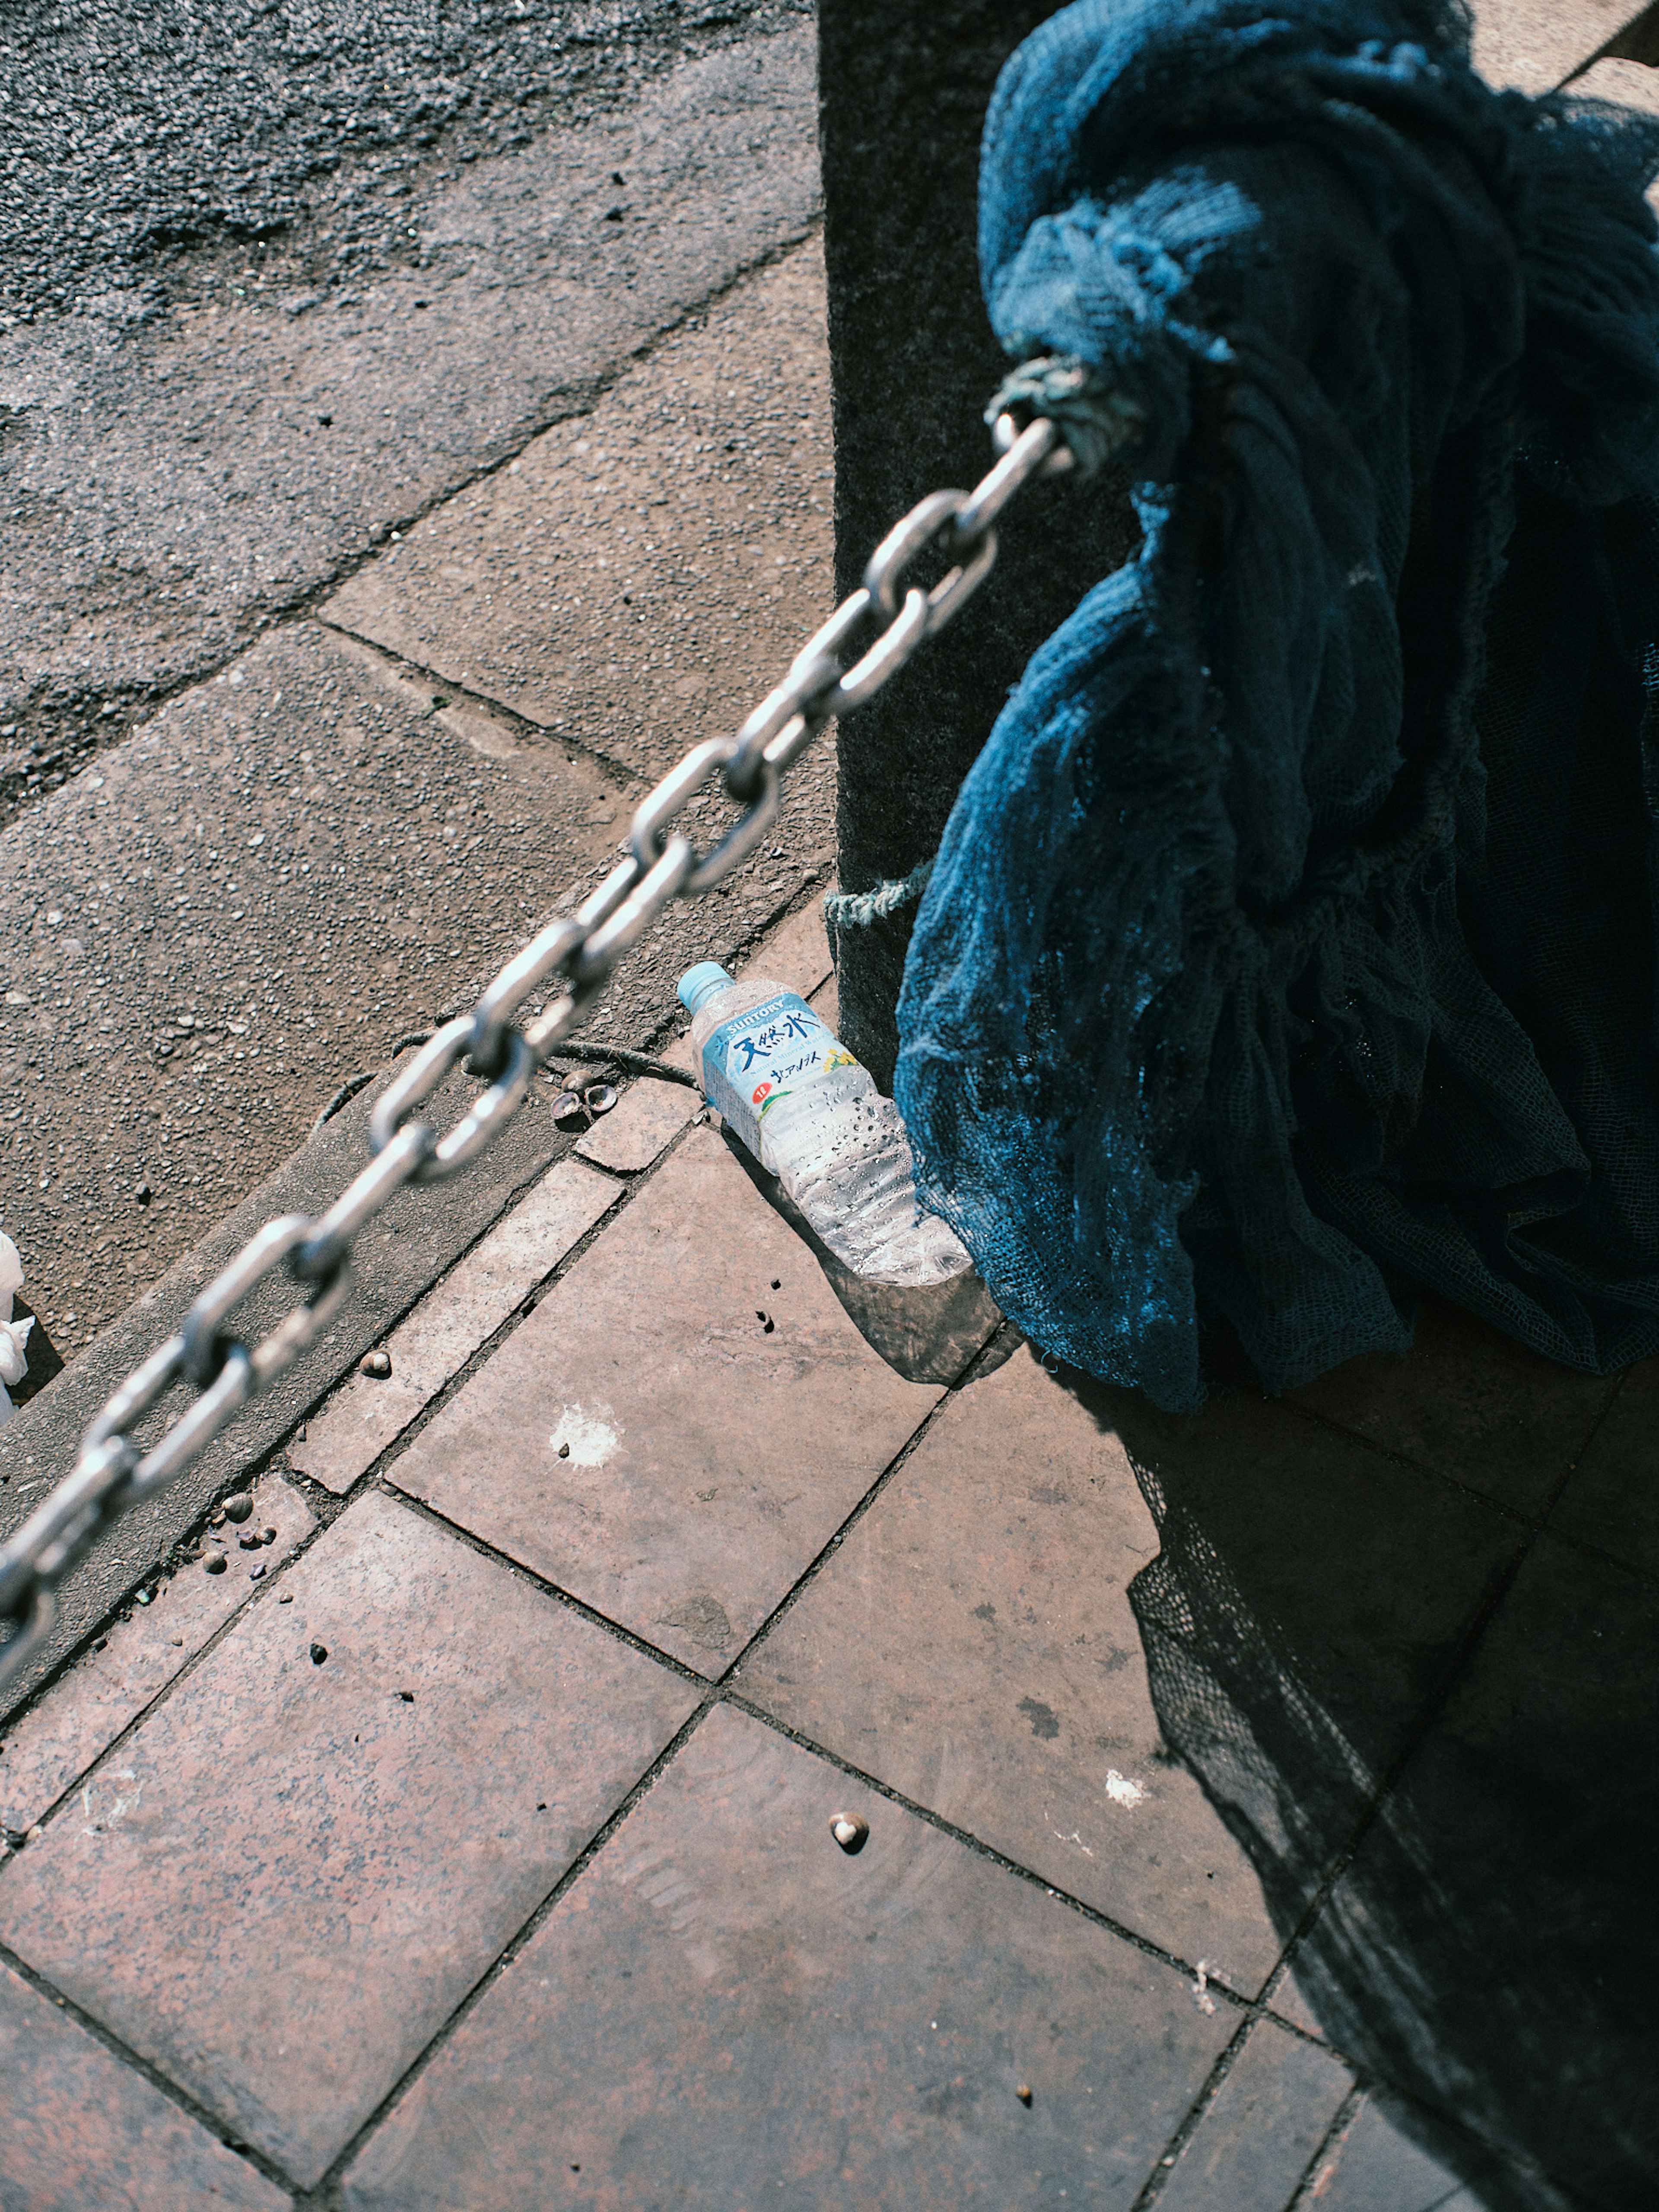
(151, 146)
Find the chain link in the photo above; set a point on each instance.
(884, 622)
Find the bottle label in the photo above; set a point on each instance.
(755, 1060)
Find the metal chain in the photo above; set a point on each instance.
(576, 954)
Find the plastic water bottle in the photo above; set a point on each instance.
(812, 1116)
(14, 1335)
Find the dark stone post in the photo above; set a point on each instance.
(903, 87)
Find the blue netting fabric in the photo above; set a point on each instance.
(1291, 945)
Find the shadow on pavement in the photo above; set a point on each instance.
(1433, 1732)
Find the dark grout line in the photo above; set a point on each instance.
(1454, 1483)
(1558, 1488)
(569, 402)
(567, 1601)
(505, 1958)
(204, 2115)
(981, 1849)
(1346, 2113)
(1161, 2175)
(906, 1452)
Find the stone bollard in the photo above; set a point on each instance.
(903, 89)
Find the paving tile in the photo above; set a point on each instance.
(442, 1333)
(726, 2011)
(85, 2133)
(1251, 2148)
(973, 1644)
(1611, 1499)
(1468, 1401)
(53, 1744)
(1489, 1950)
(721, 542)
(710, 1458)
(1534, 43)
(1375, 2168)
(1628, 84)
(797, 954)
(305, 1870)
(645, 1119)
(1289, 2002)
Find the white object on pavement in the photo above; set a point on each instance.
(14, 1335)
(806, 1110)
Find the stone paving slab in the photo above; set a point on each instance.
(1482, 1952)
(1534, 44)
(726, 2011)
(722, 1417)
(54, 1743)
(972, 1644)
(437, 1341)
(1469, 1402)
(648, 1116)
(597, 585)
(1373, 2168)
(85, 2133)
(1261, 2131)
(1611, 1500)
(314, 1858)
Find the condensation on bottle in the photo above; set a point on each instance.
(812, 1116)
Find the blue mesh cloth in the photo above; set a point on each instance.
(1291, 945)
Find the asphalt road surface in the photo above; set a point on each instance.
(153, 148)
(279, 570)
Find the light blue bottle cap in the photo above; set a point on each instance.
(702, 982)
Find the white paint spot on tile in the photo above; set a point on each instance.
(1121, 1791)
(590, 1436)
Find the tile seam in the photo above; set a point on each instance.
(571, 402)
(1144, 1944)
(1438, 1474)
(816, 1565)
(1336, 2134)
(1162, 2172)
(175, 2094)
(325, 2191)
